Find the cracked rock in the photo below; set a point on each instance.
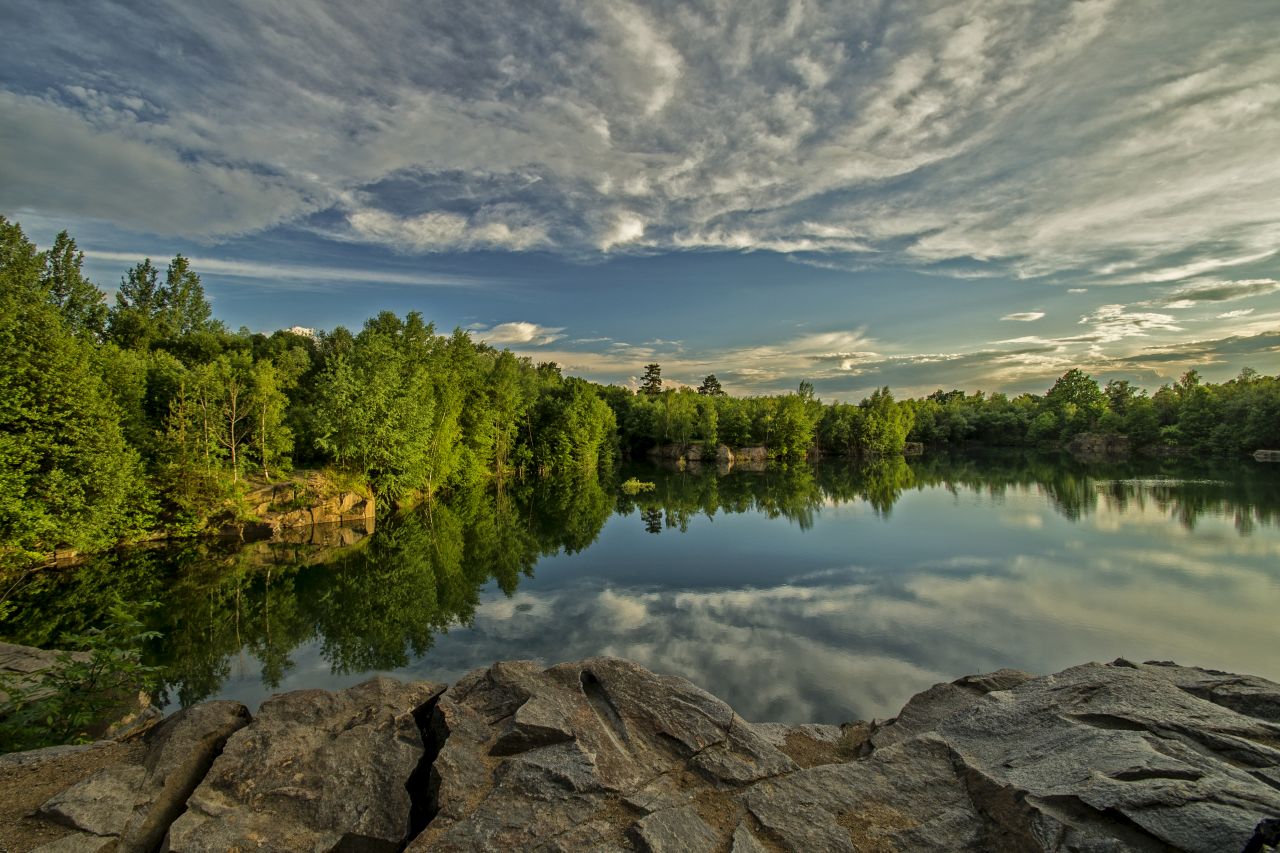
(314, 770)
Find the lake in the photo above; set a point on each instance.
(812, 593)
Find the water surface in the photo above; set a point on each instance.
(823, 593)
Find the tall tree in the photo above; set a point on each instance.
(185, 308)
(67, 477)
(271, 440)
(82, 304)
(651, 381)
(134, 321)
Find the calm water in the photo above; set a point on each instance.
(822, 594)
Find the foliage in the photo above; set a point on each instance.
(93, 681)
(632, 486)
(151, 416)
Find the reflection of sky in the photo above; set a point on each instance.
(848, 619)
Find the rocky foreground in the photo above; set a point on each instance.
(604, 755)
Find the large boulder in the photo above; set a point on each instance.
(314, 770)
(135, 801)
(599, 753)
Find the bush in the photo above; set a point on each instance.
(94, 683)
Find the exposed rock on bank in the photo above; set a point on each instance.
(287, 511)
(1099, 446)
(604, 755)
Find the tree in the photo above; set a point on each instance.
(651, 381)
(885, 424)
(81, 303)
(377, 407)
(1077, 401)
(133, 322)
(67, 476)
(711, 386)
(271, 439)
(185, 308)
(234, 422)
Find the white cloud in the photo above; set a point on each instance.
(1200, 292)
(1024, 316)
(438, 232)
(518, 332)
(1113, 323)
(264, 272)
(627, 228)
(58, 162)
(1232, 315)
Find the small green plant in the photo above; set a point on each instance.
(333, 480)
(93, 682)
(632, 486)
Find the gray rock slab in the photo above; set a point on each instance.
(1110, 750)
(1245, 694)
(137, 802)
(78, 842)
(101, 804)
(314, 770)
(678, 830)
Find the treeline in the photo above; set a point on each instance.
(117, 421)
(147, 415)
(1225, 419)
(790, 426)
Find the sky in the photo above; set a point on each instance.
(909, 193)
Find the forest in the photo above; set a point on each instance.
(148, 418)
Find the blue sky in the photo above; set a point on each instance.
(911, 193)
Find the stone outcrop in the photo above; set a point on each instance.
(696, 454)
(313, 771)
(339, 509)
(602, 754)
(1099, 446)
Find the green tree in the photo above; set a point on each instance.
(185, 309)
(271, 439)
(1077, 401)
(134, 321)
(711, 386)
(651, 381)
(67, 477)
(81, 303)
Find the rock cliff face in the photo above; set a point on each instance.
(604, 755)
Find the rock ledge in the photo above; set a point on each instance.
(602, 754)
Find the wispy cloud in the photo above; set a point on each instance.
(1197, 293)
(264, 273)
(938, 135)
(1024, 316)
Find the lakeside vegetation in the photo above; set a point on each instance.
(149, 417)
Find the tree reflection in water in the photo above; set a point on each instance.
(378, 604)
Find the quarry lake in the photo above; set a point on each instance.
(815, 593)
